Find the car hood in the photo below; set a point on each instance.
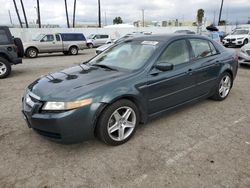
(235, 36)
(104, 47)
(73, 83)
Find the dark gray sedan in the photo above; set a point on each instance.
(128, 84)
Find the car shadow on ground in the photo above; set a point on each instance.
(58, 55)
(243, 66)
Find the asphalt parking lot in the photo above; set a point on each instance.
(204, 145)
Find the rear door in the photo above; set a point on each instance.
(206, 64)
(171, 88)
(57, 44)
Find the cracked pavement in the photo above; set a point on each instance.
(203, 145)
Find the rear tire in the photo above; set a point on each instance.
(5, 68)
(245, 42)
(118, 122)
(73, 50)
(31, 52)
(223, 87)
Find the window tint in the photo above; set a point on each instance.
(48, 38)
(202, 48)
(3, 37)
(97, 36)
(176, 53)
(57, 38)
(104, 36)
(73, 37)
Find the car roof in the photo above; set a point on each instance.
(167, 37)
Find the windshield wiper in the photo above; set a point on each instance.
(104, 66)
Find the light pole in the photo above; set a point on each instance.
(143, 18)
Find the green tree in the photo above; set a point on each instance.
(200, 15)
(117, 20)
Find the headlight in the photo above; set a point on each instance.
(240, 38)
(66, 105)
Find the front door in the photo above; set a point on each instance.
(171, 88)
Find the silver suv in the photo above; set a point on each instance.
(68, 43)
(95, 40)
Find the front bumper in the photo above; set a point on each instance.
(232, 42)
(65, 127)
(244, 58)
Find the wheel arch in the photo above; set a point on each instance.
(3, 55)
(142, 110)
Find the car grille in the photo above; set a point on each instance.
(48, 134)
(230, 40)
(248, 52)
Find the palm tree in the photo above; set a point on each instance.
(99, 13)
(74, 13)
(200, 15)
(18, 16)
(222, 1)
(67, 16)
(24, 14)
(38, 14)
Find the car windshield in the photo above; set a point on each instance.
(240, 32)
(38, 37)
(91, 36)
(129, 55)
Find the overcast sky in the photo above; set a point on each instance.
(53, 11)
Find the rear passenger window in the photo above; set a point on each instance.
(176, 53)
(202, 48)
(3, 37)
(57, 38)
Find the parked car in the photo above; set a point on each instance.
(125, 37)
(68, 43)
(11, 51)
(184, 32)
(95, 40)
(244, 54)
(239, 37)
(128, 84)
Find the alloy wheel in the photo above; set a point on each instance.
(3, 68)
(225, 86)
(121, 123)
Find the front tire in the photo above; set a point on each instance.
(223, 87)
(31, 52)
(118, 122)
(5, 68)
(90, 45)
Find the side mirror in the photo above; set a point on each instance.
(164, 66)
(42, 40)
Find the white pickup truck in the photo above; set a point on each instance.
(68, 43)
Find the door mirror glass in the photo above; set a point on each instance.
(163, 66)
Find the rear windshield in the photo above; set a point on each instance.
(73, 37)
(3, 37)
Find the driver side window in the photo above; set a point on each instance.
(48, 38)
(176, 53)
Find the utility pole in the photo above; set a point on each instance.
(99, 14)
(38, 14)
(10, 18)
(67, 16)
(105, 18)
(18, 16)
(143, 18)
(222, 1)
(24, 14)
(74, 13)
